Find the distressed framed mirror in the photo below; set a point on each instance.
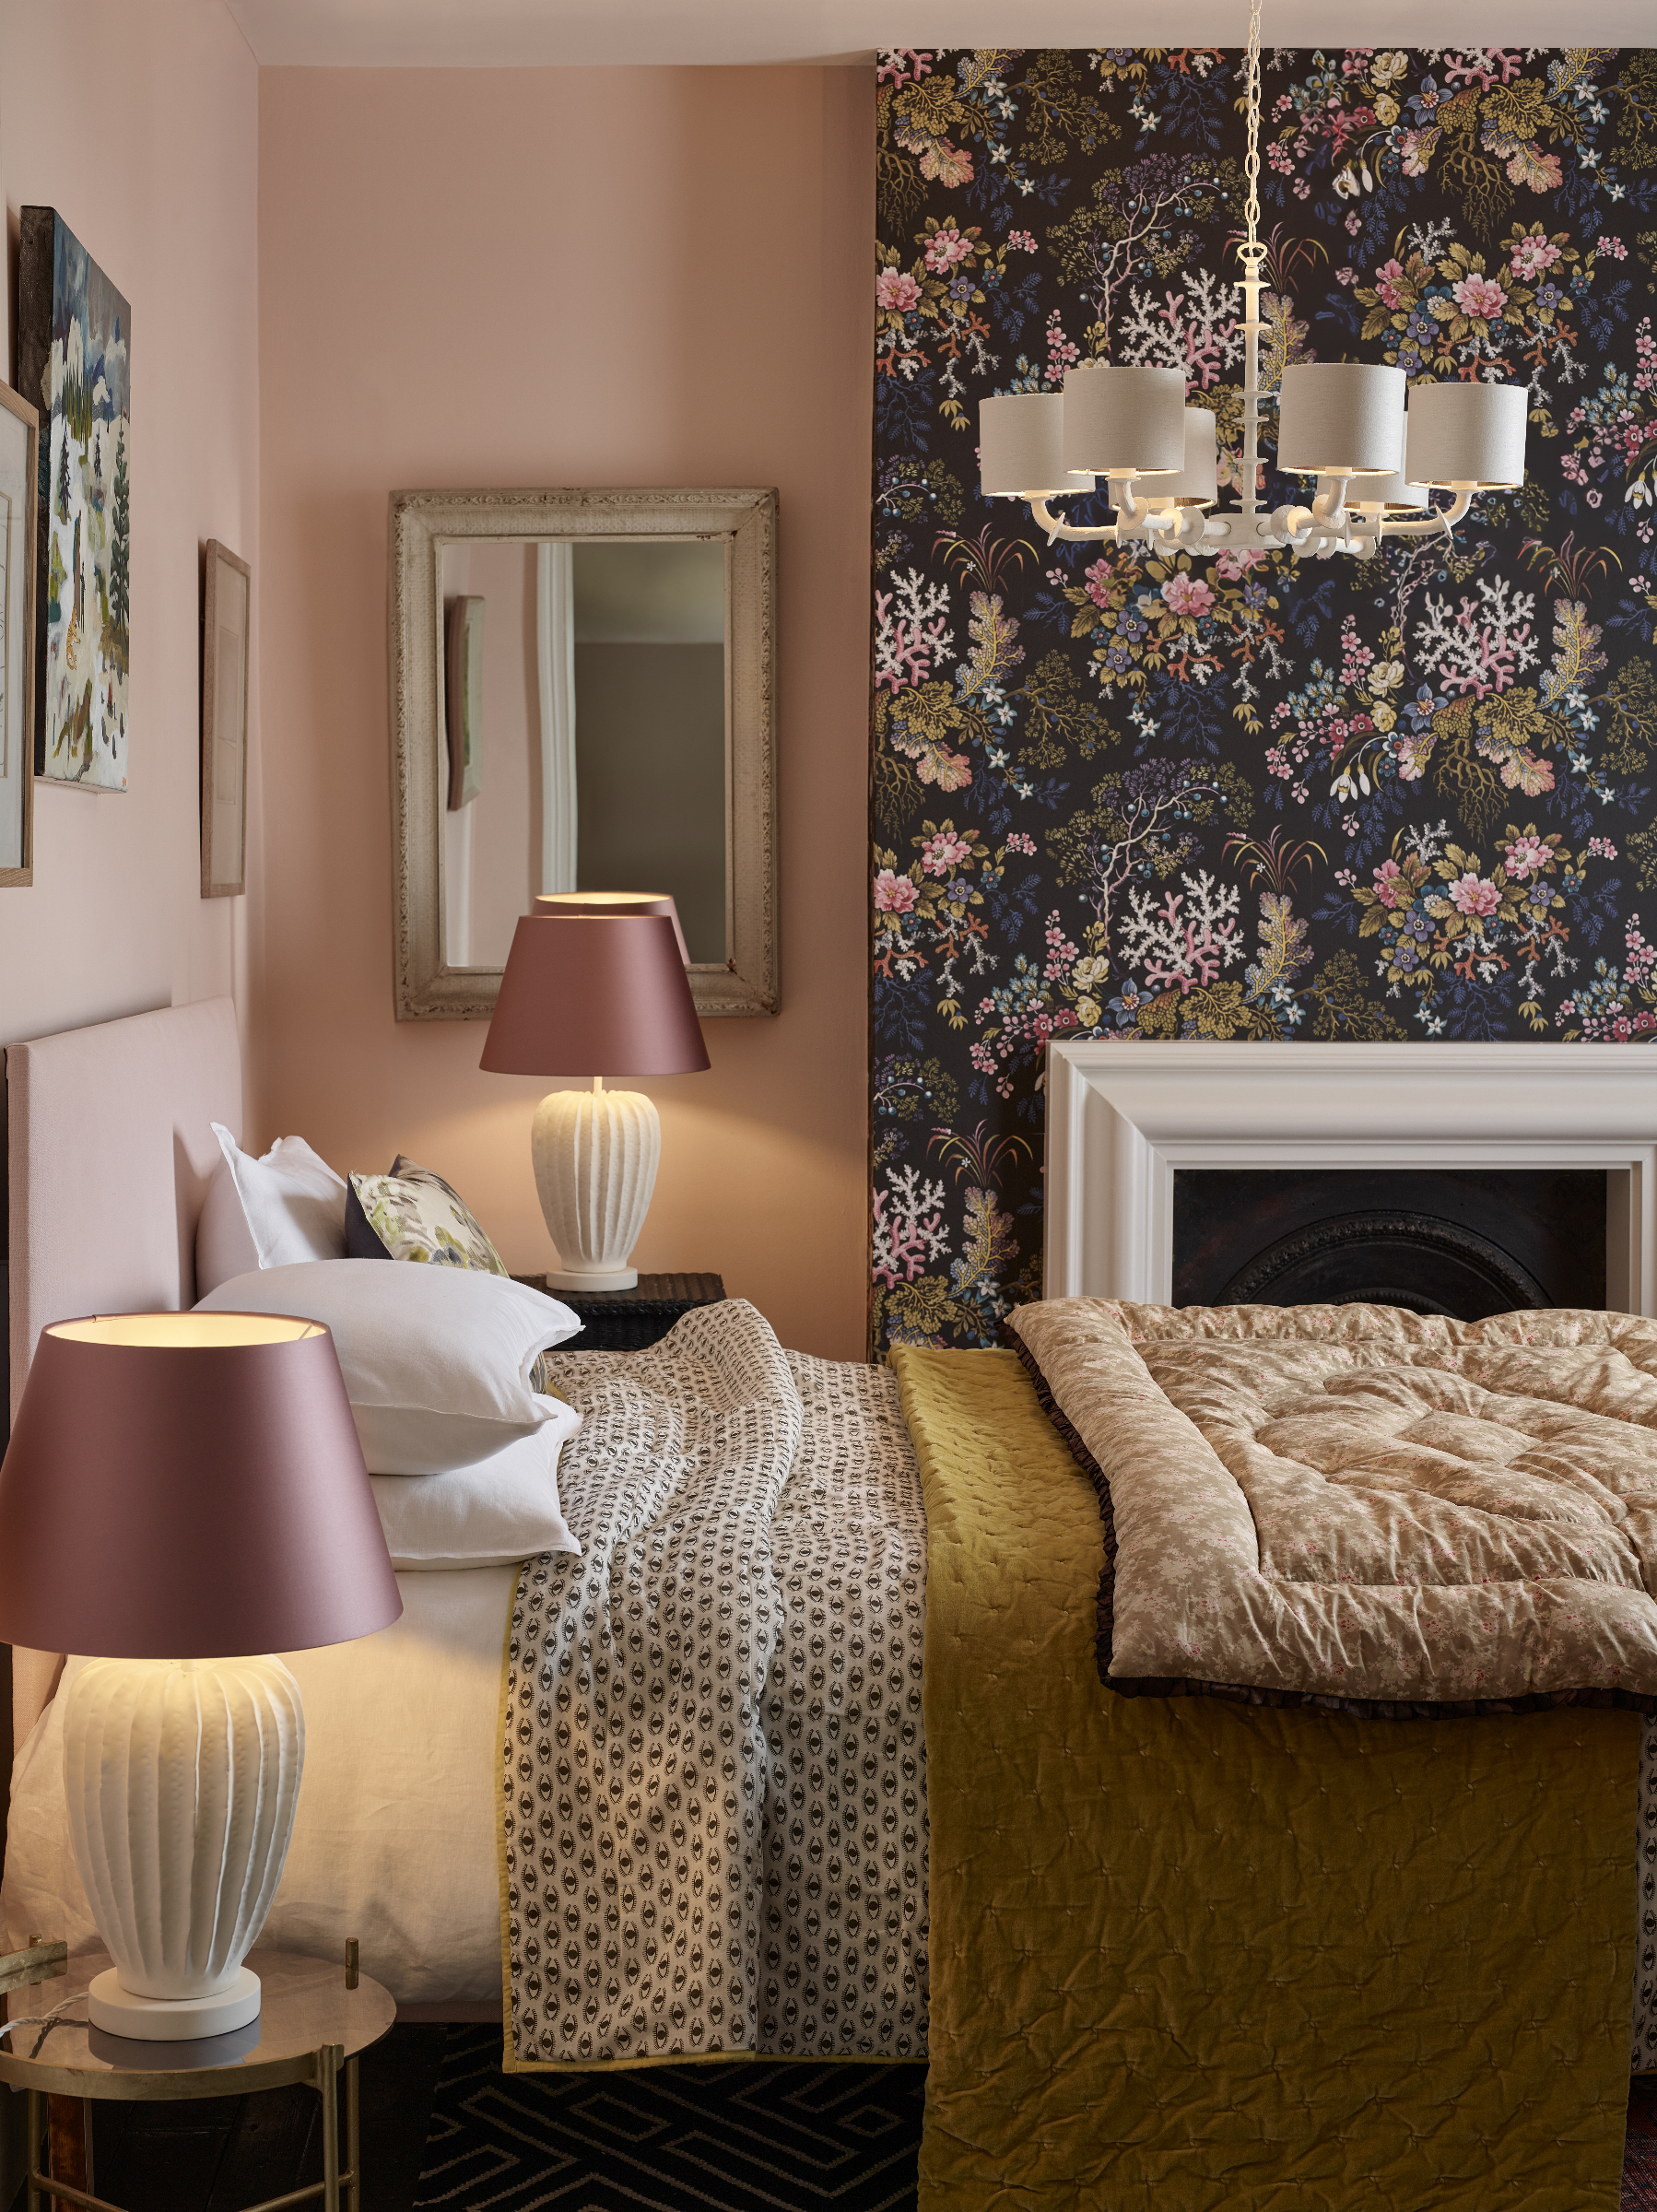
(582, 698)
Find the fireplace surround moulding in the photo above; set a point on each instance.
(1121, 1118)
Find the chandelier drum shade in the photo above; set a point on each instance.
(1341, 418)
(1468, 437)
(1124, 422)
(1399, 492)
(1021, 447)
(1341, 422)
(1197, 484)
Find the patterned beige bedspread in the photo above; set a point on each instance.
(713, 1826)
(1361, 1503)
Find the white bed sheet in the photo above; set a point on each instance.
(395, 1838)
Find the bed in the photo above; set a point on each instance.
(811, 1753)
(399, 1836)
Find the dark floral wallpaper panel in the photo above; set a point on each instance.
(1226, 794)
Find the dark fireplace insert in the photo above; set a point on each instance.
(1467, 1242)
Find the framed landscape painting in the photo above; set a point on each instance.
(74, 352)
(20, 469)
(227, 594)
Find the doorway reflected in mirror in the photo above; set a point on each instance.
(603, 715)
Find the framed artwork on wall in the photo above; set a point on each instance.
(227, 600)
(73, 354)
(20, 469)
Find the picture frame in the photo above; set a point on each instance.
(420, 527)
(19, 491)
(227, 610)
(74, 354)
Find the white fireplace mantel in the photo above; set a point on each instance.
(1121, 1117)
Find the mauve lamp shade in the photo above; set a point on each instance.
(583, 995)
(561, 905)
(188, 1486)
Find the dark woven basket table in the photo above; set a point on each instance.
(626, 1321)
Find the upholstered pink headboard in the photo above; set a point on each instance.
(110, 1153)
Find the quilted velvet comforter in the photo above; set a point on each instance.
(1356, 1504)
(1195, 1955)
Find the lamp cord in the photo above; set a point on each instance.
(44, 2021)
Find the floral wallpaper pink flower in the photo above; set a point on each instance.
(1122, 795)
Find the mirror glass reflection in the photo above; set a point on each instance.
(584, 694)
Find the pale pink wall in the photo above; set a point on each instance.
(570, 277)
(139, 124)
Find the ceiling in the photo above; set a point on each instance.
(492, 34)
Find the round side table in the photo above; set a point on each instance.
(315, 2019)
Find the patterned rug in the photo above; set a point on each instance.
(1639, 2148)
(751, 2137)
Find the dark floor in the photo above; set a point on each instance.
(1639, 2151)
(224, 2154)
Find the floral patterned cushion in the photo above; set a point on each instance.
(411, 1214)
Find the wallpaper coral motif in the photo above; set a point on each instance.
(1226, 795)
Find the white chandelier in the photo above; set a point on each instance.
(1345, 423)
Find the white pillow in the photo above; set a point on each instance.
(488, 1514)
(437, 1361)
(267, 1213)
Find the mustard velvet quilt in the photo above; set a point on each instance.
(1190, 1954)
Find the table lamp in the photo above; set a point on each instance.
(183, 1495)
(590, 995)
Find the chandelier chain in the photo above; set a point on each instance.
(1251, 250)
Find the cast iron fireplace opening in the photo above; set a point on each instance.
(1467, 1242)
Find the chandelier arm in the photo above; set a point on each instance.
(1103, 534)
(1329, 506)
(1327, 526)
(1304, 530)
(1445, 520)
(1168, 529)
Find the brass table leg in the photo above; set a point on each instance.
(328, 2061)
(353, 2138)
(35, 2147)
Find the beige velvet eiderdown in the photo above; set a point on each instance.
(1358, 1503)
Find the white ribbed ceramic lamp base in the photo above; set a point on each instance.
(595, 1155)
(181, 1778)
(111, 2007)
